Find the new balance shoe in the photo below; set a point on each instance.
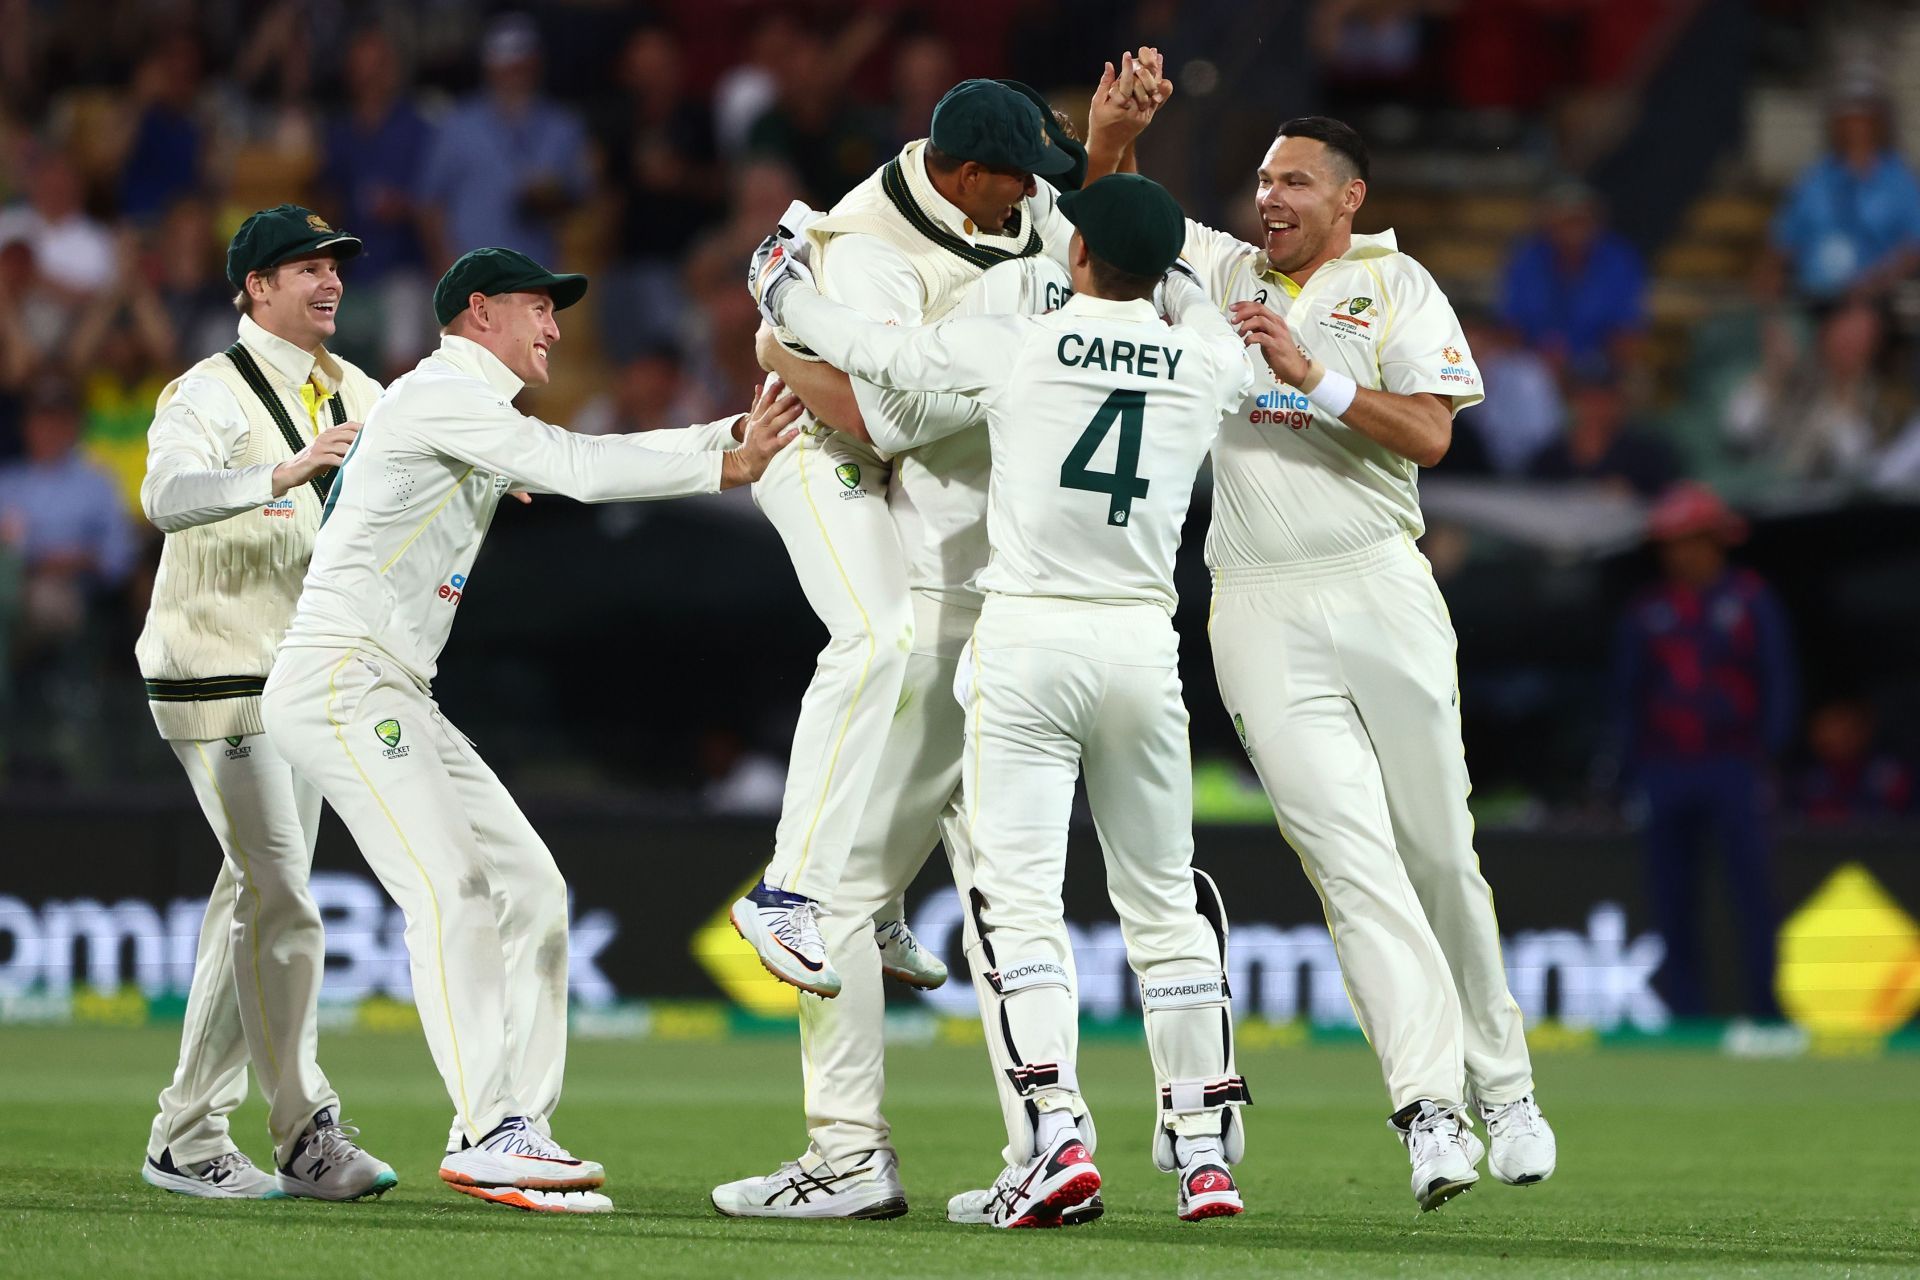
(865, 1187)
(1521, 1147)
(225, 1177)
(903, 959)
(1207, 1189)
(1040, 1193)
(534, 1201)
(1435, 1139)
(327, 1164)
(515, 1154)
(784, 930)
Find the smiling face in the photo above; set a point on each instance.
(1307, 196)
(991, 196)
(519, 328)
(297, 300)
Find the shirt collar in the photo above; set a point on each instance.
(474, 360)
(1359, 248)
(1110, 308)
(293, 365)
(913, 162)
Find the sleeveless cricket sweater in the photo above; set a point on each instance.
(225, 592)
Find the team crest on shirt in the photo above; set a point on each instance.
(1351, 319)
(388, 731)
(235, 751)
(849, 474)
(1240, 728)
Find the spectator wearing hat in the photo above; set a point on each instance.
(1575, 290)
(508, 164)
(1851, 221)
(1704, 694)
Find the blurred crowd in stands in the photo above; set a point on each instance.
(655, 146)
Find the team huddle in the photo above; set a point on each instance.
(995, 370)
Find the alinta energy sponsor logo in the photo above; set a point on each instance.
(278, 509)
(453, 588)
(1455, 370)
(1282, 407)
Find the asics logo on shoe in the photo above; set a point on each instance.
(1209, 1180)
(1074, 1154)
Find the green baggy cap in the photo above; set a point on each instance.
(491, 271)
(991, 124)
(1070, 178)
(281, 234)
(1130, 221)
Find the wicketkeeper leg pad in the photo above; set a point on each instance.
(1189, 1025)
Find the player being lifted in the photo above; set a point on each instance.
(1098, 415)
(902, 247)
(1333, 648)
(239, 457)
(349, 701)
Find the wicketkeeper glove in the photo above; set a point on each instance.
(1179, 276)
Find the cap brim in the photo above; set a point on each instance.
(1053, 163)
(333, 243)
(565, 290)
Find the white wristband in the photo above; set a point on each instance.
(1334, 392)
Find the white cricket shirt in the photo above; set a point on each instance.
(411, 503)
(1290, 481)
(1098, 415)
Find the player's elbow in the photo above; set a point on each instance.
(1433, 439)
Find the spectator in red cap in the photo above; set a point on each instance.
(1704, 692)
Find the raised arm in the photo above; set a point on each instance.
(969, 355)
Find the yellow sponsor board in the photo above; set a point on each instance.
(736, 970)
(1849, 968)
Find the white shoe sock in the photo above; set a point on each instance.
(1053, 1126)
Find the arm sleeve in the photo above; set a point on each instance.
(970, 355)
(1216, 257)
(1189, 307)
(192, 438)
(702, 437)
(1422, 348)
(487, 432)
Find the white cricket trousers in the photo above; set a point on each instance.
(486, 908)
(914, 806)
(1340, 677)
(826, 494)
(256, 976)
(1054, 689)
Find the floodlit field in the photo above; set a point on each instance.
(1671, 1162)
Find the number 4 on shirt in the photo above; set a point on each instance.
(1123, 484)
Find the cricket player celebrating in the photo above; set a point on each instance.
(349, 701)
(1074, 663)
(1334, 651)
(902, 247)
(240, 455)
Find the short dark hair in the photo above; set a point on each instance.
(940, 162)
(1110, 281)
(1338, 136)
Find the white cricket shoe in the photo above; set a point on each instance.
(1434, 1137)
(903, 959)
(784, 928)
(1207, 1189)
(515, 1154)
(867, 1187)
(1040, 1193)
(326, 1164)
(969, 1208)
(230, 1176)
(1522, 1149)
(536, 1201)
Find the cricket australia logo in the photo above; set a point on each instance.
(388, 731)
(1348, 319)
(849, 473)
(1240, 729)
(235, 751)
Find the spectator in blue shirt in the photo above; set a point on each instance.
(1704, 692)
(1851, 222)
(508, 164)
(376, 150)
(1575, 290)
(163, 159)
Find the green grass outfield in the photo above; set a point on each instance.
(1672, 1162)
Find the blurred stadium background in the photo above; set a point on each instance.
(1684, 234)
